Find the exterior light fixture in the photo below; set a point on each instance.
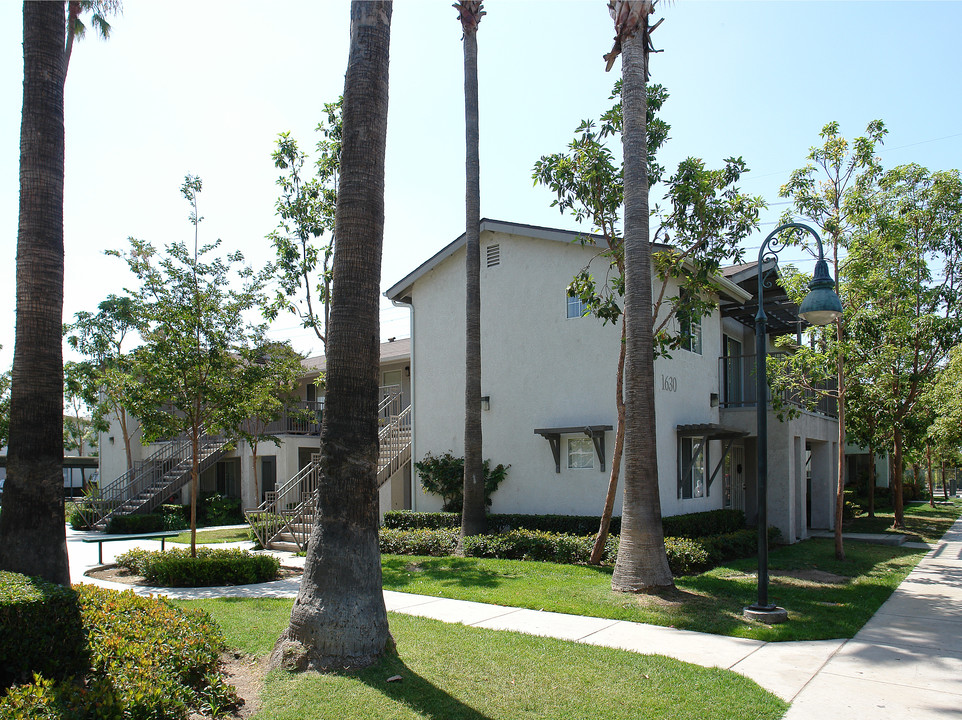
(820, 307)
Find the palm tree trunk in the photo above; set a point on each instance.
(339, 620)
(474, 511)
(642, 563)
(32, 531)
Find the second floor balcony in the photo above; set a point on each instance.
(737, 380)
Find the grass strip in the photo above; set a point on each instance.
(211, 537)
(923, 523)
(461, 673)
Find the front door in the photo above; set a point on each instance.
(734, 483)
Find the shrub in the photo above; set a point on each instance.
(133, 524)
(75, 517)
(711, 522)
(420, 541)
(42, 633)
(174, 517)
(444, 475)
(212, 566)
(687, 556)
(144, 659)
(221, 510)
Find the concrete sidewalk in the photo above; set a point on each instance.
(906, 662)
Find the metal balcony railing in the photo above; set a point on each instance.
(737, 380)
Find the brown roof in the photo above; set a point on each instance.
(396, 349)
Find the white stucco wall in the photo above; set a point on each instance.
(541, 370)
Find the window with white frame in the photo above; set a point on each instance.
(692, 466)
(581, 453)
(690, 328)
(576, 307)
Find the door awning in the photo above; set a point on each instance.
(712, 431)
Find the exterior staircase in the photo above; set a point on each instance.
(149, 483)
(285, 518)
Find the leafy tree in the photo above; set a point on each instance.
(270, 391)
(197, 343)
(903, 270)
(473, 515)
(106, 377)
(944, 397)
(4, 408)
(339, 620)
(824, 193)
(32, 534)
(306, 212)
(78, 428)
(706, 220)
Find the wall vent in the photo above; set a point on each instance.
(493, 253)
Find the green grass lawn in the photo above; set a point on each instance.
(825, 598)
(923, 523)
(210, 537)
(459, 673)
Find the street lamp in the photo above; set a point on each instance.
(820, 307)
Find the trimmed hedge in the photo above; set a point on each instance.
(43, 632)
(145, 659)
(685, 555)
(693, 525)
(212, 566)
(133, 524)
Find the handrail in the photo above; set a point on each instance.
(736, 378)
(275, 515)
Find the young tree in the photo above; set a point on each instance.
(903, 271)
(197, 344)
(77, 426)
(822, 193)
(32, 532)
(707, 219)
(4, 408)
(107, 380)
(270, 382)
(944, 397)
(339, 620)
(306, 212)
(474, 513)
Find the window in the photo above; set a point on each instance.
(581, 453)
(689, 329)
(576, 308)
(693, 462)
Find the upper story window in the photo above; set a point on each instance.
(576, 307)
(689, 327)
(581, 453)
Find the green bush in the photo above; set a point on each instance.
(174, 517)
(42, 630)
(133, 524)
(685, 555)
(76, 518)
(212, 566)
(145, 660)
(221, 510)
(443, 475)
(711, 522)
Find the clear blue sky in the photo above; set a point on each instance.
(204, 87)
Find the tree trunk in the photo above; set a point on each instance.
(945, 484)
(871, 481)
(840, 440)
(642, 563)
(474, 511)
(32, 530)
(126, 434)
(928, 462)
(896, 485)
(339, 620)
(602, 538)
(194, 485)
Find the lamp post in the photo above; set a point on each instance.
(820, 307)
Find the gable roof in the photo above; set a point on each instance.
(400, 291)
(393, 349)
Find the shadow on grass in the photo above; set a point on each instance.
(427, 699)
(401, 572)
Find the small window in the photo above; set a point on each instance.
(576, 307)
(493, 254)
(693, 462)
(581, 453)
(690, 328)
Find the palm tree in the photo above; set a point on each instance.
(473, 515)
(339, 619)
(32, 535)
(642, 563)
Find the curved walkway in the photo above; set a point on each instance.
(905, 663)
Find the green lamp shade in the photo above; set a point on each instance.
(821, 306)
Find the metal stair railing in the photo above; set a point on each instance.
(151, 481)
(274, 516)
